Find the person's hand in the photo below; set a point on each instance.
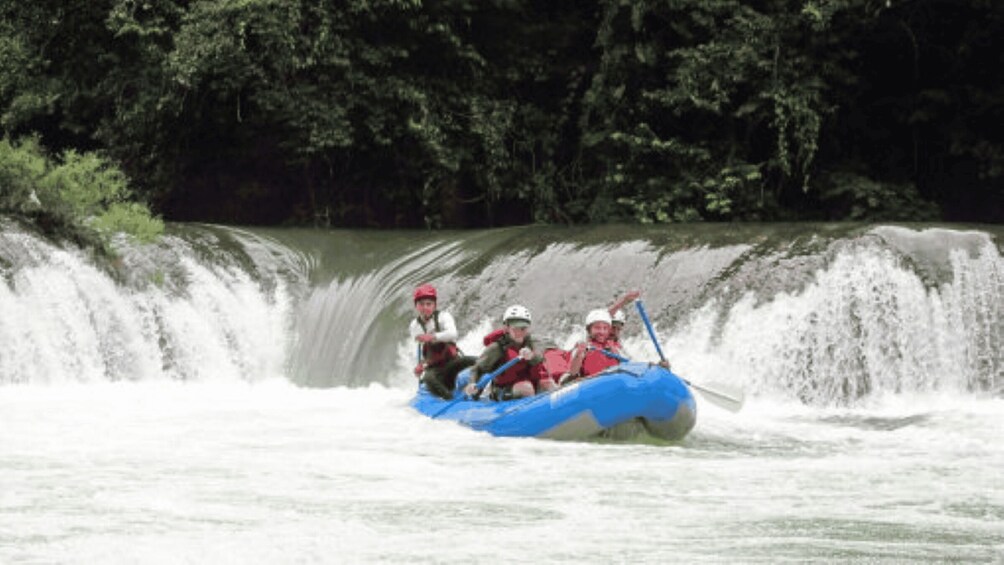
(426, 338)
(632, 295)
(580, 348)
(470, 389)
(665, 365)
(526, 354)
(419, 369)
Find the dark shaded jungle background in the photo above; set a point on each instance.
(457, 113)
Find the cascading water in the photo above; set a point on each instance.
(825, 319)
(849, 315)
(241, 396)
(867, 322)
(180, 310)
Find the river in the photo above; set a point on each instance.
(241, 396)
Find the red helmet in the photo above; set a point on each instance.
(425, 291)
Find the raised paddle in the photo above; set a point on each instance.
(482, 383)
(721, 395)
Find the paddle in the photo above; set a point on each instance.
(721, 395)
(482, 383)
(611, 354)
(418, 359)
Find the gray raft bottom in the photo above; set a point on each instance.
(585, 426)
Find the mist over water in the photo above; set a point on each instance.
(240, 396)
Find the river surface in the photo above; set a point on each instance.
(185, 409)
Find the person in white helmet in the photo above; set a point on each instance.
(588, 358)
(617, 314)
(522, 379)
(617, 320)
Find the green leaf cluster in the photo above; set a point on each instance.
(79, 195)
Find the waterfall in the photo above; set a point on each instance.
(822, 314)
(867, 323)
(183, 309)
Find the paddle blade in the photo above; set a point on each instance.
(721, 395)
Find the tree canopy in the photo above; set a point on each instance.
(455, 113)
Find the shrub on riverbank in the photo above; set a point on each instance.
(80, 196)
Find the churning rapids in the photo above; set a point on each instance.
(241, 396)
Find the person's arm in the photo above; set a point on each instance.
(448, 328)
(578, 356)
(574, 371)
(538, 354)
(486, 362)
(415, 330)
(630, 296)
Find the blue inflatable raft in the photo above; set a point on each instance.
(614, 403)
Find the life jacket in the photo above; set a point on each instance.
(556, 362)
(437, 353)
(518, 372)
(596, 361)
(494, 336)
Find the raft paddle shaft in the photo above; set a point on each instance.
(724, 396)
(611, 354)
(418, 359)
(482, 383)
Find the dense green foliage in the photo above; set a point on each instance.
(459, 113)
(79, 196)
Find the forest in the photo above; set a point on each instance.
(465, 114)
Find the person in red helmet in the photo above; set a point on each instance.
(437, 333)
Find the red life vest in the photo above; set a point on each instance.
(555, 360)
(596, 361)
(521, 371)
(437, 353)
(555, 364)
(494, 336)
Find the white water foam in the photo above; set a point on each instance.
(233, 472)
(866, 326)
(64, 320)
(228, 471)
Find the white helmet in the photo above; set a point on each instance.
(618, 317)
(598, 315)
(516, 313)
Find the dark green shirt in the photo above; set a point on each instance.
(492, 357)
